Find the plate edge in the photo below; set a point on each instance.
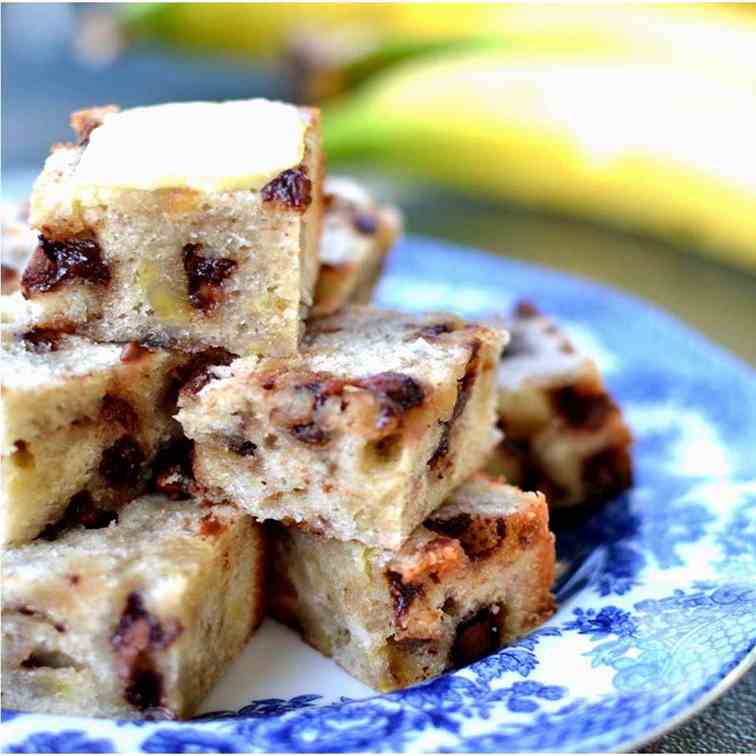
(734, 676)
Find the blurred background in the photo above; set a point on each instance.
(615, 142)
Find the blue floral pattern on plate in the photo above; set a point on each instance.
(658, 596)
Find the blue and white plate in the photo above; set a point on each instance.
(657, 605)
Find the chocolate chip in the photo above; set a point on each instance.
(205, 277)
(194, 374)
(606, 474)
(172, 473)
(454, 527)
(116, 409)
(397, 393)
(403, 594)
(137, 635)
(582, 407)
(144, 689)
(43, 339)
(464, 389)
(80, 512)
(56, 262)
(121, 464)
(534, 478)
(322, 388)
(291, 188)
(441, 450)
(435, 329)
(242, 447)
(476, 637)
(310, 433)
(365, 223)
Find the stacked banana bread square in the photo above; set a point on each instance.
(202, 421)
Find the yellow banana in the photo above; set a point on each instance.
(662, 149)
(345, 43)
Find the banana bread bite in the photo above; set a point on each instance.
(81, 424)
(138, 618)
(357, 234)
(563, 433)
(474, 576)
(190, 225)
(362, 435)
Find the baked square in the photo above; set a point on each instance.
(135, 619)
(357, 235)
(563, 433)
(473, 577)
(81, 423)
(362, 435)
(187, 225)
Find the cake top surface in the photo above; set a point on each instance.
(151, 530)
(32, 357)
(206, 146)
(362, 341)
(30, 367)
(485, 497)
(538, 352)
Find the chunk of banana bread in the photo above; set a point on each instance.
(191, 225)
(80, 424)
(475, 576)
(360, 436)
(357, 234)
(133, 619)
(564, 434)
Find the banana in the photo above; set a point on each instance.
(657, 148)
(335, 46)
(640, 116)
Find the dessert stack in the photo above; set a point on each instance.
(204, 423)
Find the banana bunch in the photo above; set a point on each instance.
(333, 46)
(662, 150)
(638, 116)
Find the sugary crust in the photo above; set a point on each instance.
(564, 434)
(466, 582)
(360, 436)
(227, 269)
(357, 235)
(141, 615)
